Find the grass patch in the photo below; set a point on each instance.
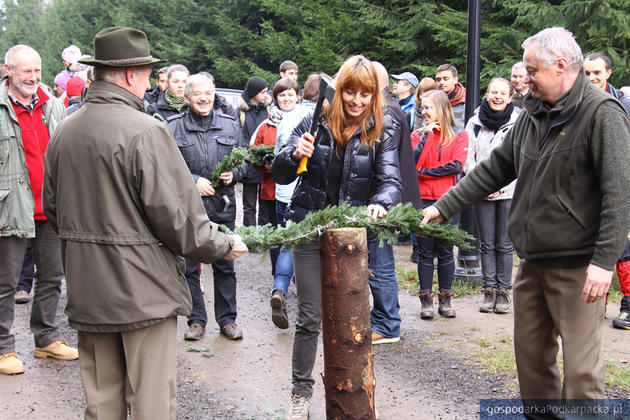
(494, 358)
(408, 280)
(617, 375)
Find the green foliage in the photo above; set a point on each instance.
(257, 154)
(236, 157)
(401, 218)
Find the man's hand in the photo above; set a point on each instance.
(204, 187)
(597, 283)
(432, 214)
(226, 177)
(304, 147)
(238, 249)
(376, 211)
(494, 194)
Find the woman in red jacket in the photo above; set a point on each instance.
(440, 155)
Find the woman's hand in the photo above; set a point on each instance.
(376, 211)
(432, 127)
(305, 147)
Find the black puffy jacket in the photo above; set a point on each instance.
(161, 110)
(203, 146)
(370, 175)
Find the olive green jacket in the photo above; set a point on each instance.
(17, 205)
(571, 203)
(120, 196)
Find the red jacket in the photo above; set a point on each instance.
(266, 135)
(438, 166)
(35, 139)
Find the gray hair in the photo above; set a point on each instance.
(196, 79)
(554, 43)
(113, 74)
(518, 66)
(176, 67)
(9, 57)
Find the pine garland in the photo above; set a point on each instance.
(229, 162)
(257, 154)
(401, 218)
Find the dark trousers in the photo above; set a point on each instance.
(28, 271)
(224, 279)
(47, 285)
(251, 196)
(270, 205)
(428, 248)
(495, 246)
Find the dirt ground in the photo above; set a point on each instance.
(432, 373)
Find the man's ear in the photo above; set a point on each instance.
(562, 65)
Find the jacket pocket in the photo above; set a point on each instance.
(188, 151)
(5, 207)
(565, 204)
(226, 140)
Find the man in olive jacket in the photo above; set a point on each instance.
(568, 220)
(121, 199)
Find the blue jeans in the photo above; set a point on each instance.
(495, 246)
(284, 261)
(385, 314)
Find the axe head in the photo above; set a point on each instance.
(326, 91)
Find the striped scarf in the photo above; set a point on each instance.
(175, 102)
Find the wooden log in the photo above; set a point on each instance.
(348, 375)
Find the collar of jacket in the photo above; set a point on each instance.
(5, 100)
(566, 103)
(105, 92)
(191, 124)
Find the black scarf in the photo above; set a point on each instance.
(493, 119)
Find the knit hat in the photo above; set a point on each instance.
(255, 85)
(408, 76)
(62, 79)
(75, 86)
(71, 54)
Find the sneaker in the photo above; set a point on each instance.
(444, 304)
(426, 300)
(381, 339)
(502, 305)
(279, 310)
(58, 350)
(195, 332)
(22, 296)
(232, 331)
(299, 407)
(623, 320)
(10, 364)
(489, 298)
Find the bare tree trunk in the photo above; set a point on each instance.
(348, 375)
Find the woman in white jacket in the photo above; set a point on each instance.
(486, 130)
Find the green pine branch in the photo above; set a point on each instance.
(258, 153)
(229, 162)
(401, 218)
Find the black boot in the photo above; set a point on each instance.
(426, 299)
(489, 297)
(623, 320)
(444, 307)
(502, 304)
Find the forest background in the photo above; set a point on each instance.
(237, 39)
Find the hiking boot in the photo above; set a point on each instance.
(426, 300)
(444, 304)
(232, 331)
(279, 310)
(489, 297)
(195, 332)
(623, 320)
(59, 350)
(299, 407)
(381, 339)
(502, 305)
(10, 364)
(22, 296)
(414, 255)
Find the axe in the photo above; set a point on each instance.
(326, 91)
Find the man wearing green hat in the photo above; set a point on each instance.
(124, 205)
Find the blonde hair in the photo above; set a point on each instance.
(444, 112)
(358, 74)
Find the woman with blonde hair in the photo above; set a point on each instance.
(416, 121)
(440, 155)
(355, 161)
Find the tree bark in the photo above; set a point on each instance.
(348, 375)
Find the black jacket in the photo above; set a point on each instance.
(161, 110)
(370, 175)
(203, 146)
(254, 116)
(151, 96)
(222, 105)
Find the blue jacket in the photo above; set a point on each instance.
(370, 175)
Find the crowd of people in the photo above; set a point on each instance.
(100, 192)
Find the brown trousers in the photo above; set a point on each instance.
(131, 370)
(547, 305)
